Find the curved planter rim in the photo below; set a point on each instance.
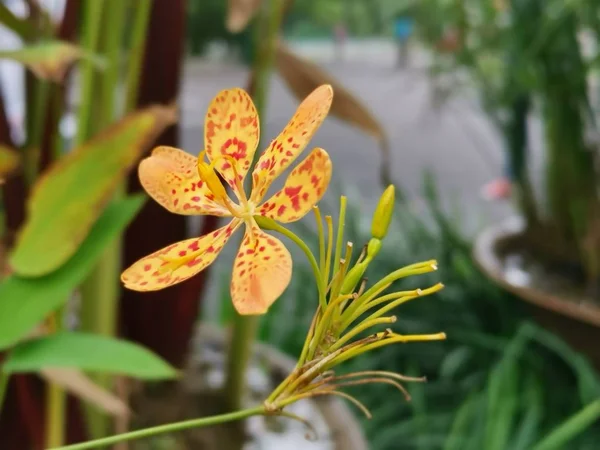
(342, 423)
(484, 253)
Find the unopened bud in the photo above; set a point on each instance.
(353, 277)
(383, 213)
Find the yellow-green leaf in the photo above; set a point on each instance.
(9, 161)
(49, 60)
(26, 302)
(81, 386)
(71, 195)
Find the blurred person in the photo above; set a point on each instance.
(339, 36)
(403, 29)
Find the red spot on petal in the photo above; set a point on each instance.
(147, 267)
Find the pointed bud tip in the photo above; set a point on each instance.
(383, 213)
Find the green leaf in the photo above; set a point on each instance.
(570, 428)
(89, 352)
(49, 60)
(24, 302)
(68, 198)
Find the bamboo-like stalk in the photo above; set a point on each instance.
(92, 25)
(141, 21)
(56, 409)
(245, 327)
(100, 291)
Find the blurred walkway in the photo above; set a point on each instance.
(456, 142)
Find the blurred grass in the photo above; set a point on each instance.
(499, 382)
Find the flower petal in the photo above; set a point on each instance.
(303, 189)
(231, 128)
(291, 141)
(177, 262)
(170, 176)
(261, 272)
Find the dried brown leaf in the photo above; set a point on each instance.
(50, 60)
(78, 384)
(240, 13)
(303, 76)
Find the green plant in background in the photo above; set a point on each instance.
(75, 212)
(518, 56)
(497, 382)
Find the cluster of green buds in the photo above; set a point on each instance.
(352, 319)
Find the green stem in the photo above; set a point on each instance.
(169, 428)
(56, 408)
(340, 236)
(245, 327)
(92, 25)
(110, 44)
(311, 259)
(4, 377)
(100, 291)
(243, 336)
(136, 50)
(24, 28)
(38, 102)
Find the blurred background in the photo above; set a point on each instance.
(483, 113)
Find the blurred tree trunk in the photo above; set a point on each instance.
(163, 320)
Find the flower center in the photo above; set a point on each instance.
(209, 175)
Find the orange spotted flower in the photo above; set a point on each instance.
(187, 185)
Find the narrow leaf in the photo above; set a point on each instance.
(78, 384)
(570, 428)
(25, 302)
(89, 352)
(9, 161)
(22, 27)
(68, 198)
(302, 77)
(49, 60)
(240, 13)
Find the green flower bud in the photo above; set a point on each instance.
(353, 277)
(383, 213)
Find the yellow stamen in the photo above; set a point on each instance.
(209, 176)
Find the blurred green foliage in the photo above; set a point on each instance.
(498, 382)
